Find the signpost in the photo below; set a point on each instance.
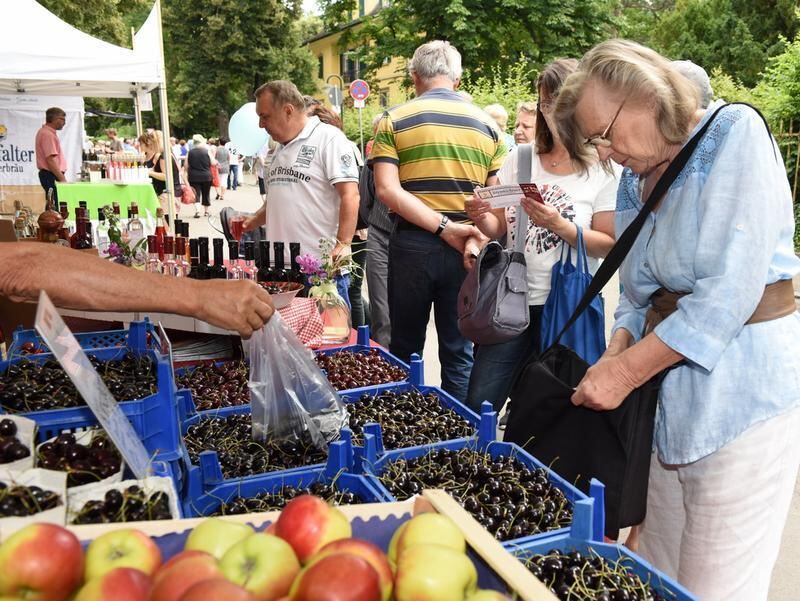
(359, 92)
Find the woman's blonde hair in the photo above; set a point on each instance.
(152, 139)
(636, 73)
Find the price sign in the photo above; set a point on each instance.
(91, 387)
(359, 89)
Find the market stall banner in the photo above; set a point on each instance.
(21, 116)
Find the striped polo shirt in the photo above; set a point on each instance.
(444, 147)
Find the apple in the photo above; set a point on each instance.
(337, 577)
(263, 564)
(217, 589)
(42, 562)
(183, 573)
(216, 536)
(127, 548)
(120, 584)
(426, 528)
(434, 573)
(486, 595)
(308, 523)
(365, 550)
(176, 558)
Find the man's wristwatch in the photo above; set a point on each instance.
(442, 224)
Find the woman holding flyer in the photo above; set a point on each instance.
(567, 199)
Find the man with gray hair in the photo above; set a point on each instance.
(699, 78)
(428, 157)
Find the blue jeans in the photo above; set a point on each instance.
(498, 365)
(425, 271)
(48, 181)
(233, 177)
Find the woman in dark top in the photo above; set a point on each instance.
(153, 150)
(198, 173)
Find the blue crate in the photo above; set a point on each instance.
(340, 461)
(140, 336)
(154, 417)
(373, 464)
(579, 539)
(199, 479)
(445, 399)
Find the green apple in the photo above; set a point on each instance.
(216, 536)
(263, 564)
(126, 548)
(486, 595)
(426, 528)
(434, 573)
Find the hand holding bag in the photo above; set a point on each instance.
(493, 299)
(580, 443)
(568, 284)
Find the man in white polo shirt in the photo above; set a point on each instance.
(312, 182)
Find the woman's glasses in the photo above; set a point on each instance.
(602, 140)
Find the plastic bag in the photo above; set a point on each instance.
(290, 396)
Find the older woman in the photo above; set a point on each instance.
(728, 428)
(571, 199)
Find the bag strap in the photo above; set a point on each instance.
(524, 160)
(625, 242)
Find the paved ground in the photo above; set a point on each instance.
(786, 578)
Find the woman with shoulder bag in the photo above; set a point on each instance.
(153, 150)
(570, 199)
(708, 295)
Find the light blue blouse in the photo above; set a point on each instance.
(723, 232)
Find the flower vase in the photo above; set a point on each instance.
(333, 311)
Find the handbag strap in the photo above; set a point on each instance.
(625, 242)
(524, 161)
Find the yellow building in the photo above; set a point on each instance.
(333, 61)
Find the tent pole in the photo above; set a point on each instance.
(162, 96)
(137, 110)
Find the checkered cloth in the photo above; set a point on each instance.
(302, 316)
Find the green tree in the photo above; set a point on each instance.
(108, 20)
(488, 33)
(506, 87)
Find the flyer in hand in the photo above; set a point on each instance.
(508, 195)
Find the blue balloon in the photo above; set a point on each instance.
(244, 131)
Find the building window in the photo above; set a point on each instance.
(384, 98)
(361, 8)
(321, 67)
(350, 67)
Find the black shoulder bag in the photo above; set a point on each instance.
(579, 443)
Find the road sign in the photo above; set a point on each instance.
(335, 95)
(359, 89)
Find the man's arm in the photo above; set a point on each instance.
(26, 269)
(348, 214)
(54, 168)
(256, 220)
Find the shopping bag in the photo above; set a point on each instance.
(188, 197)
(290, 397)
(569, 283)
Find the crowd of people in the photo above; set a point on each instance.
(717, 253)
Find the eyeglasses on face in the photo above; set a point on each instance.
(602, 140)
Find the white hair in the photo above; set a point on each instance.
(498, 113)
(434, 59)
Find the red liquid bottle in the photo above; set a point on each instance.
(160, 233)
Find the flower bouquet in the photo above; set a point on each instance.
(120, 250)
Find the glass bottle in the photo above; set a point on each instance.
(135, 225)
(203, 269)
(249, 270)
(168, 263)
(182, 266)
(194, 270)
(185, 234)
(263, 261)
(218, 271)
(279, 271)
(161, 232)
(234, 271)
(101, 232)
(295, 275)
(153, 262)
(81, 238)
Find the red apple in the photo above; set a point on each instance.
(308, 523)
(43, 562)
(179, 557)
(185, 572)
(125, 548)
(120, 584)
(366, 550)
(217, 589)
(338, 577)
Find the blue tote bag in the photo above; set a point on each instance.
(568, 284)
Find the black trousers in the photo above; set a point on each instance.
(202, 189)
(48, 181)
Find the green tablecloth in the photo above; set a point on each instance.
(99, 194)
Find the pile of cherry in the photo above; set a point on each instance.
(129, 505)
(217, 386)
(31, 386)
(573, 577)
(11, 448)
(509, 499)
(84, 464)
(407, 419)
(277, 501)
(19, 501)
(239, 455)
(347, 370)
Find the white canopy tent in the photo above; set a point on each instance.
(42, 55)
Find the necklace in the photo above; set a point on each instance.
(553, 164)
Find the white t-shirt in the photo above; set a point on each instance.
(302, 202)
(578, 197)
(234, 154)
(262, 165)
